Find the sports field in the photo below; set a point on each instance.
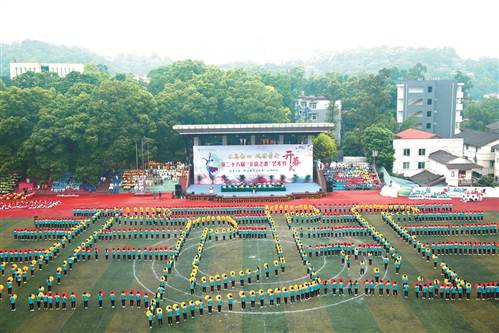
(325, 313)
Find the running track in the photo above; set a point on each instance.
(107, 200)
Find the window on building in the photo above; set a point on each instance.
(428, 113)
(492, 149)
(421, 165)
(429, 101)
(491, 164)
(407, 152)
(430, 89)
(453, 173)
(303, 104)
(466, 146)
(415, 102)
(313, 117)
(415, 90)
(428, 125)
(313, 105)
(405, 165)
(422, 152)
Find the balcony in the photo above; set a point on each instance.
(464, 182)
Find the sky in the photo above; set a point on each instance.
(253, 30)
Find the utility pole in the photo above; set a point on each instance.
(136, 156)
(147, 152)
(142, 152)
(375, 154)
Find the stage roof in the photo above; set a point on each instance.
(281, 128)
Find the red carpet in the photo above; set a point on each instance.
(107, 200)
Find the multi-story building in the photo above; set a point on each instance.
(313, 109)
(436, 105)
(18, 68)
(413, 147)
(480, 147)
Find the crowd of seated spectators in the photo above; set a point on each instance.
(8, 183)
(155, 174)
(28, 204)
(267, 187)
(65, 183)
(359, 176)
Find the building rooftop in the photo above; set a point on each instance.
(453, 161)
(493, 126)
(313, 98)
(281, 128)
(442, 156)
(412, 133)
(427, 178)
(477, 138)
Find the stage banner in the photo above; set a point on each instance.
(255, 163)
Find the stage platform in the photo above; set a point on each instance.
(291, 188)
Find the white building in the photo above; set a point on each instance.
(480, 147)
(456, 170)
(496, 163)
(312, 109)
(18, 68)
(413, 147)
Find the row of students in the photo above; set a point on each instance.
(338, 231)
(470, 248)
(453, 229)
(140, 233)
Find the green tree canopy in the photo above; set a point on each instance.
(324, 147)
(180, 70)
(477, 115)
(216, 96)
(379, 138)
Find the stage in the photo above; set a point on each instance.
(291, 188)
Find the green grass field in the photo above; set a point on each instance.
(322, 314)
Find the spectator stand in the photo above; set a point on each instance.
(8, 183)
(358, 176)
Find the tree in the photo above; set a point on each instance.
(486, 181)
(90, 133)
(181, 70)
(410, 122)
(417, 72)
(351, 144)
(215, 96)
(74, 78)
(479, 114)
(20, 111)
(379, 138)
(460, 77)
(324, 147)
(44, 80)
(370, 99)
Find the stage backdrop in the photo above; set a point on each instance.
(214, 163)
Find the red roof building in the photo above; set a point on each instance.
(412, 133)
